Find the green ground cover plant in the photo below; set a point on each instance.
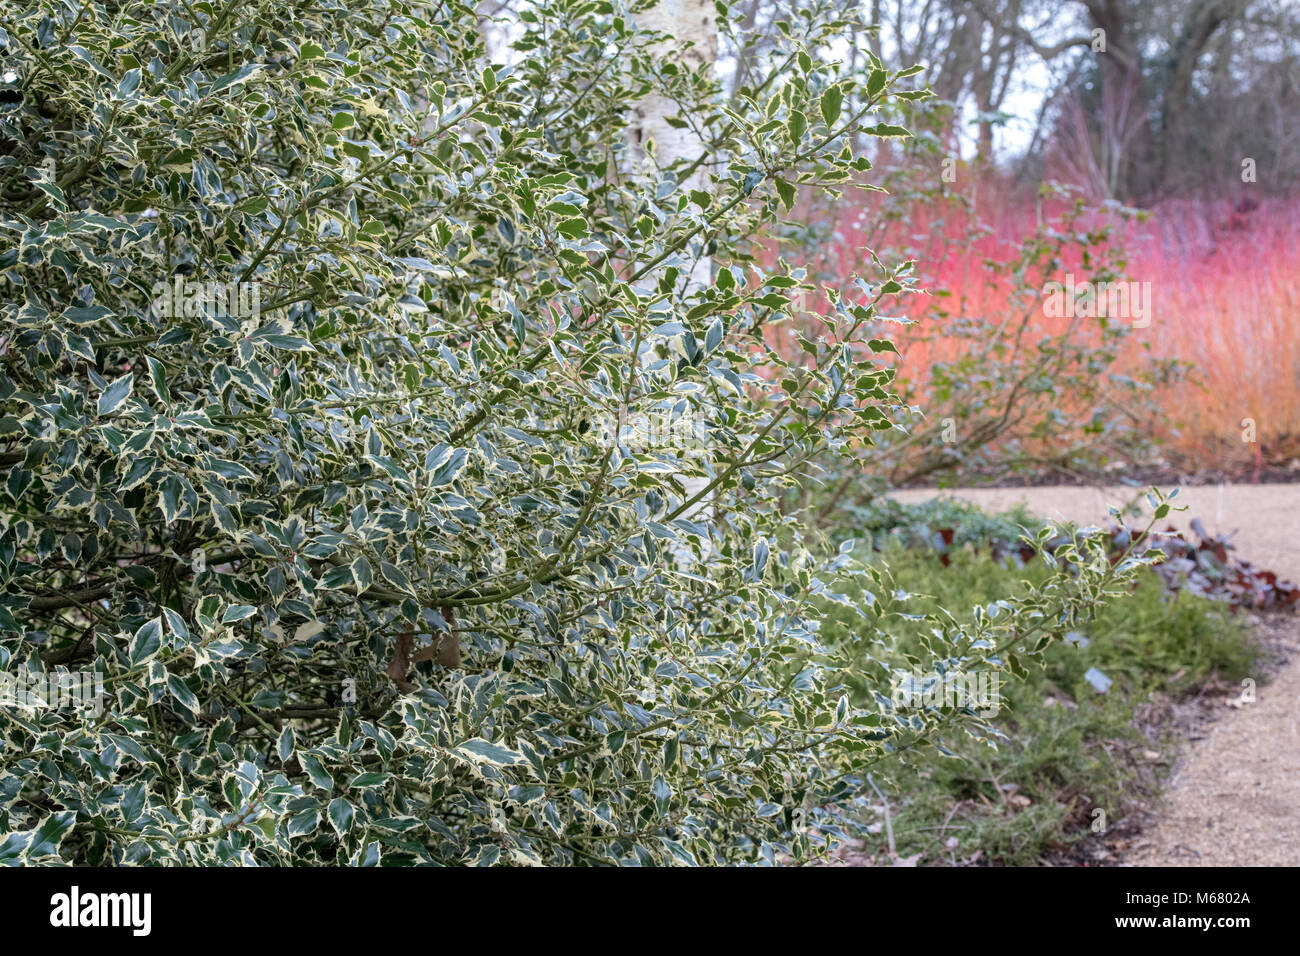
(1059, 749)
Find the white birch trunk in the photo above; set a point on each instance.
(693, 26)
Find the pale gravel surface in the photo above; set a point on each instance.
(1234, 798)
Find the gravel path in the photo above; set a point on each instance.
(1234, 799)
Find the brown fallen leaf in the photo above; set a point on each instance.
(445, 648)
(401, 662)
(446, 645)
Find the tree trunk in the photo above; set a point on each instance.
(693, 26)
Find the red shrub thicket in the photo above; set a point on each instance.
(1225, 296)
